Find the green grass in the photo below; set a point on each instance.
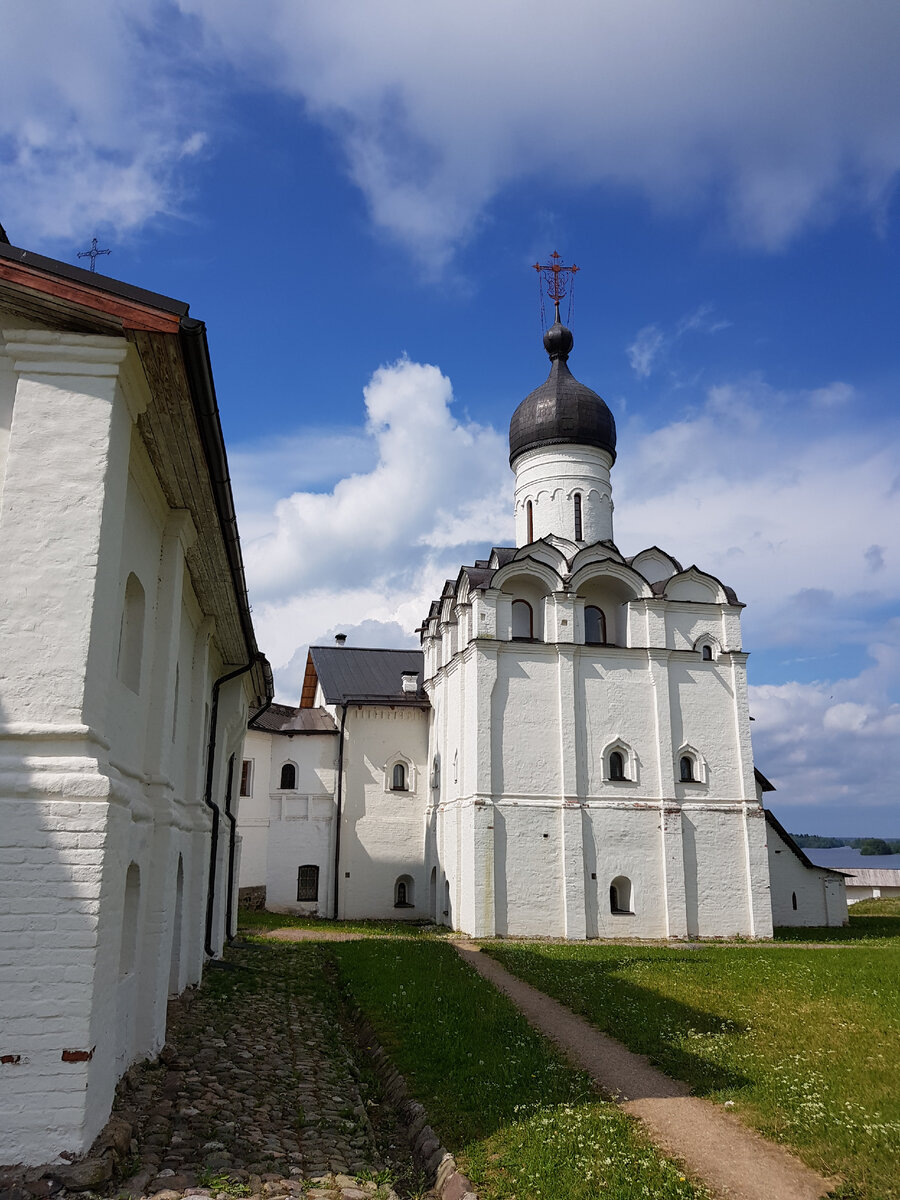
(252, 921)
(522, 1123)
(805, 1043)
(870, 920)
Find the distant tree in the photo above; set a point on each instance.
(816, 841)
(875, 846)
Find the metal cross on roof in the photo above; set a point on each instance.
(554, 276)
(93, 254)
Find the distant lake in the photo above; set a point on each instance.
(845, 857)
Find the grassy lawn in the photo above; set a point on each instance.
(522, 1123)
(252, 921)
(804, 1043)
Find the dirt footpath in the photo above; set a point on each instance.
(733, 1161)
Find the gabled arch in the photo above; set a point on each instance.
(696, 586)
(630, 762)
(611, 568)
(530, 568)
(699, 768)
(595, 552)
(707, 647)
(655, 564)
(550, 550)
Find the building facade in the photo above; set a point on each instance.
(128, 670)
(573, 744)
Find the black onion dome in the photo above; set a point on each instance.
(562, 410)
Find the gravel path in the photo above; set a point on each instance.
(732, 1160)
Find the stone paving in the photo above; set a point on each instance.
(256, 1094)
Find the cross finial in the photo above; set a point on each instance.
(93, 254)
(554, 276)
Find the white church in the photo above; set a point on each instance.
(567, 756)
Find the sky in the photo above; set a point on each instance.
(351, 196)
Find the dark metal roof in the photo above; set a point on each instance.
(561, 411)
(348, 674)
(284, 718)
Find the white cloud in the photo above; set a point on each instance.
(379, 544)
(643, 351)
(769, 118)
(652, 344)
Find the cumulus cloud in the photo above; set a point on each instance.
(770, 118)
(834, 745)
(379, 543)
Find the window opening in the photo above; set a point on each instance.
(616, 765)
(246, 777)
(398, 778)
(620, 895)
(794, 901)
(308, 882)
(529, 512)
(577, 500)
(288, 777)
(594, 625)
(131, 636)
(403, 892)
(522, 619)
(706, 654)
(175, 705)
(130, 908)
(687, 770)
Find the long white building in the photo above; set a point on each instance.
(568, 756)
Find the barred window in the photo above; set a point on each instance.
(308, 883)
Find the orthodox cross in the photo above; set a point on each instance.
(93, 254)
(553, 274)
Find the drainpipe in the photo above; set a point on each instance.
(211, 804)
(337, 828)
(232, 834)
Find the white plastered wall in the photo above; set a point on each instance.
(820, 895)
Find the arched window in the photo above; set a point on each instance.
(522, 619)
(594, 625)
(398, 777)
(403, 892)
(131, 635)
(308, 882)
(130, 909)
(288, 777)
(529, 517)
(687, 769)
(706, 653)
(794, 901)
(616, 765)
(620, 899)
(577, 504)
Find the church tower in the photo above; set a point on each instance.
(562, 444)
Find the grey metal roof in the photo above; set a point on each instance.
(348, 673)
(871, 876)
(284, 718)
(561, 411)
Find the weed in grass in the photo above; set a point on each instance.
(218, 1181)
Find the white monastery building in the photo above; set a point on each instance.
(128, 671)
(569, 753)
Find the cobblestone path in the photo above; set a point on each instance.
(257, 1083)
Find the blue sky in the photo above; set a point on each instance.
(351, 197)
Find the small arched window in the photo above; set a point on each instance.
(398, 778)
(403, 892)
(594, 625)
(130, 908)
(794, 901)
(706, 653)
(616, 765)
(576, 499)
(687, 769)
(288, 777)
(131, 635)
(308, 882)
(529, 519)
(522, 619)
(620, 899)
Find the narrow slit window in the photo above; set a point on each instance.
(529, 514)
(687, 770)
(594, 625)
(522, 619)
(308, 882)
(246, 777)
(794, 901)
(288, 777)
(577, 502)
(398, 778)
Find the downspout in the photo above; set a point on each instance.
(210, 803)
(232, 834)
(337, 828)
